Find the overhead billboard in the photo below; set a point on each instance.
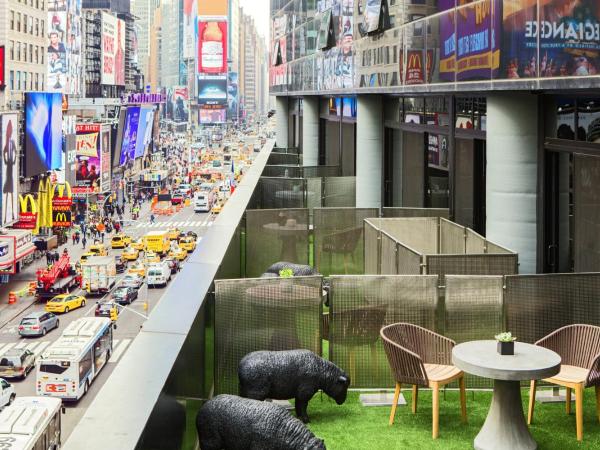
(113, 50)
(43, 132)
(2, 67)
(144, 134)
(130, 134)
(179, 101)
(212, 90)
(10, 169)
(88, 158)
(568, 33)
(190, 14)
(64, 46)
(212, 45)
(105, 172)
(212, 116)
(232, 94)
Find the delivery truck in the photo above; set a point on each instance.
(98, 274)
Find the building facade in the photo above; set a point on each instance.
(454, 104)
(23, 29)
(252, 69)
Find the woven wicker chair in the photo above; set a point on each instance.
(421, 357)
(579, 349)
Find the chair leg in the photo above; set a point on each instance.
(435, 389)
(568, 404)
(463, 399)
(395, 404)
(597, 388)
(579, 411)
(531, 402)
(415, 398)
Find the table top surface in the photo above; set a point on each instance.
(530, 362)
(287, 227)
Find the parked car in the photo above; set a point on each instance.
(64, 303)
(16, 363)
(7, 393)
(108, 309)
(132, 280)
(174, 264)
(38, 323)
(124, 295)
(120, 264)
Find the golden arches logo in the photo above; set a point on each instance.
(23, 200)
(45, 195)
(61, 219)
(414, 61)
(61, 188)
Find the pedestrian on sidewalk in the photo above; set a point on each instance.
(74, 237)
(83, 241)
(152, 218)
(56, 256)
(102, 235)
(48, 257)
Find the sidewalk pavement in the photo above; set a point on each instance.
(22, 279)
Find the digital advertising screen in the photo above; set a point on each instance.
(210, 116)
(113, 50)
(2, 68)
(212, 45)
(144, 135)
(105, 161)
(130, 134)
(180, 104)
(88, 163)
(43, 132)
(190, 13)
(10, 169)
(212, 90)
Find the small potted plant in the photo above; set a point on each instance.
(506, 343)
(287, 274)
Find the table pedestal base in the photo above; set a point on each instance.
(505, 427)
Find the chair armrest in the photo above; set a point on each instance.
(406, 365)
(593, 378)
(437, 349)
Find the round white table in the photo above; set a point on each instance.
(505, 427)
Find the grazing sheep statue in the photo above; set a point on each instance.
(234, 423)
(296, 374)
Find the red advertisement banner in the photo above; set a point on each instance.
(212, 46)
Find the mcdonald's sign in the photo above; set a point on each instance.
(27, 219)
(61, 219)
(418, 71)
(45, 194)
(60, 201)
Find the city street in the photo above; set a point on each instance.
(130, 318)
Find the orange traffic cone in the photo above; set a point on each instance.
(12, 298)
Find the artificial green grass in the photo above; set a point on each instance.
(352, 426)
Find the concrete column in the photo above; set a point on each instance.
(511, 190)
(310, 131)
(281, 118)
(369, 151)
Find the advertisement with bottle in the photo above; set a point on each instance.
(212, 45)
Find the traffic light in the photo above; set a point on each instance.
(113, 314)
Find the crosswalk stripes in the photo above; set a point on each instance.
(175, 223)
(6, 347)
(118, 349)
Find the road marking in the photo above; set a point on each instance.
(31, 346)
(119, 349)
(140, 225)
(42, 347)
(6, 348)
(210, 224)
(21, 344)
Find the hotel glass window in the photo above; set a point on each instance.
(12, 20)
(37, 27)
(18, 21)
(30, 52)
(24, 23)
(11, 50)
(18, 52)
(12, 80)
(18, 80)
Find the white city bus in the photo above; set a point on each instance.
(31, 423)
(68, 366)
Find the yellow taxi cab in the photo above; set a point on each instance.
(120, 241)
(174, 234)
(151, 257)
(130, 254)
(188, 243)
(64, 303)
(138, 268)
(217, 208)
(98, 250)
(178, 253)
(138, 244)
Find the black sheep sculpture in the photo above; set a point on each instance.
(296, 374)
(228, 422)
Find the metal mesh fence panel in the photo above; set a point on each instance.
(338, 239)
(339, 192)
(263, 314)
(409, 261)
(419, 234)
(475, 243)
(536, 305)
(389, 255)
(282, 171)
(474, 311)
(231, 267)
(282, 193)
(291, 150)
(274, 235)
(313, 193)
(277, 159)
(443, 265)
(415, 212)
(452, 238)
(372, 248)
(360, 306)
